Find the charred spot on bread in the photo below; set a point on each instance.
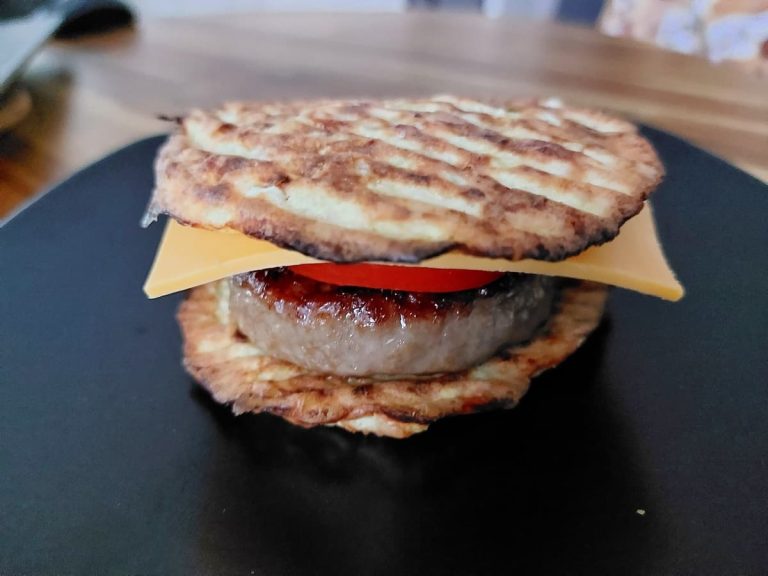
(404, 180)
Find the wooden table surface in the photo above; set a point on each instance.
(93, 96)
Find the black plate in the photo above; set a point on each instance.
(114, 462)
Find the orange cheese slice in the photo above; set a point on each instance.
(189, 257)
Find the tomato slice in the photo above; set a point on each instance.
(391, 277)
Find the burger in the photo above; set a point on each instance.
(381, 264)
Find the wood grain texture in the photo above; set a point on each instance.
(92, 96)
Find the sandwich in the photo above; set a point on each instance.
(380, 264)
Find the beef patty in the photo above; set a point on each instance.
(359, 331)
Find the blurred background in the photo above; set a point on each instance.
(732, 30)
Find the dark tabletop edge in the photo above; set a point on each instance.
(24, 206)
(647, 129)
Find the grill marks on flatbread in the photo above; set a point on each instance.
(402, 180)
(238, 373)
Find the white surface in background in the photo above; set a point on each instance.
(534, 9)
(679, 30)
(737, 37)
(201, 7)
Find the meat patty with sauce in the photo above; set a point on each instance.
(359, 332)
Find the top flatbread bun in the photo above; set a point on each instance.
(402, 180)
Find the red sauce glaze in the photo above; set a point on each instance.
(281, 288)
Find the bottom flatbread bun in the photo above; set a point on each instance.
(238, 373)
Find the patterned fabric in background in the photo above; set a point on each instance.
(721, 30)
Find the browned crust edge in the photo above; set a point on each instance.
(192, 181)
(237, 373)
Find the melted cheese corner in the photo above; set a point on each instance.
(189, 257)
